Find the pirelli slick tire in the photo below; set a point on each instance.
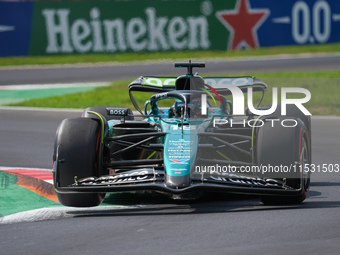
(293, 111)
(279, 145)
(102, 110)
(76, 155)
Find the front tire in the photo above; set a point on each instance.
(76, 153)
(285, 146)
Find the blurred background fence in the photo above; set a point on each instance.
(29, 28)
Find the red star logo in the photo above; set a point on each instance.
(243, 24)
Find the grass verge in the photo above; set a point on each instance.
(194, 55)
(323, 85)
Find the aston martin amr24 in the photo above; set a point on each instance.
(184, 142)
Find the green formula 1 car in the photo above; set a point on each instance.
(187, 140)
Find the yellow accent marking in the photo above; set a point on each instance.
(210, 95)
(151, 155)
(224, 156)
(102, 136)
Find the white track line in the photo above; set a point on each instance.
(59, 212)
(53, 86)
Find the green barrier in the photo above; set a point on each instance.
(178, 25)
(113, 27)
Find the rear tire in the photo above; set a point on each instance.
(285, 146)
(76, 153)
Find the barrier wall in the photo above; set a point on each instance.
(45, 28)
(15, 28)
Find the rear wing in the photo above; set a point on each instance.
(154, 84)
(151, 85)
(164, 84)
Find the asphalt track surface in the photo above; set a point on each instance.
(113, 72)
(221, 224)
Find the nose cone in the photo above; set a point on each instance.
(179, 154)
(177, 181)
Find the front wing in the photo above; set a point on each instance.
(151, 179)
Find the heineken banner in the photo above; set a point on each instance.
(151, 26)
